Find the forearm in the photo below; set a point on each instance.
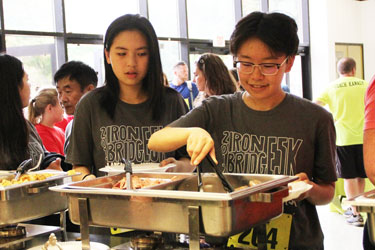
(321, 194)
(169, 139)
(83, 170)
(369, 154)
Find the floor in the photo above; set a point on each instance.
(337, 233)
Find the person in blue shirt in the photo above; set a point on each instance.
(187, 89)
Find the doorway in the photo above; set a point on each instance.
(354, 51)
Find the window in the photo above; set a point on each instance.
(38, 55)
(295, 78)
(33, 31)
(164, 18)
(292, 8)
(210, 19)
(91, 54)
(249, 6)
(36, 15)
(170, 55)
(94, 16)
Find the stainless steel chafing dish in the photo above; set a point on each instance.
(31, 200)
(366, 203)
(177, 206)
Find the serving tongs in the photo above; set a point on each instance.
(26, 166)
(227, 186)
(128, 173)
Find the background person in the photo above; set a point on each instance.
(344, 98)
(369, 147)
(265, 130)
(73, 80)
(19, 139)
(115, 121)
(187, 89)
(44, 111)
(213, 77)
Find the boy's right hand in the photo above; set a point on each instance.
(199, 144)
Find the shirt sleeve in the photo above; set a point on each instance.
(325, 151)
(370, 106)
(323, 97)
(195, 118)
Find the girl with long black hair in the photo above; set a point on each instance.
(116, 120)
(19, 139)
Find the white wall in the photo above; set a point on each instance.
(339, 21)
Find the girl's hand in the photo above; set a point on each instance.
(199, 144)
(56, 165)
(167, 161)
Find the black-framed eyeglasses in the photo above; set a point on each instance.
(267, 69)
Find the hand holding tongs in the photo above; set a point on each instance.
(227, 186)
(26, 166)
(128, 172)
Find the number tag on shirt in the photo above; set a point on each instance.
(278, 232)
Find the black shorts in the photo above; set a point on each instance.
(350, 162)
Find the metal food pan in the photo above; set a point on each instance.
(31, 200)
(165, 207)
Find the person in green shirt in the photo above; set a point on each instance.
(345, 99)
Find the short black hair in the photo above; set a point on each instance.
(278, 31)
(78, 71)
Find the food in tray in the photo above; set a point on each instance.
(139, 182)
(252, 183)
(26, 178)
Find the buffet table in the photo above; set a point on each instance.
(335, 205)
(177, 206)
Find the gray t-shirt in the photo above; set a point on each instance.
(34, 149)
(97, 140)
(296, 136)
(68, 132)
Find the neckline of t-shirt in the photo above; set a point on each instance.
(121, 102)
(267, 112)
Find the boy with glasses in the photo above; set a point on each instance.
(264, 130)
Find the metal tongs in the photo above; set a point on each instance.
(26, 166)
(128, 173)
(227, 186)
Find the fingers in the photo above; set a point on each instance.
(199, 148)
(200, 155)
(213, 155)
(302, 176)
(167, 161)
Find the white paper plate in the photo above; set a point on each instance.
(138, 168)
(297, 188)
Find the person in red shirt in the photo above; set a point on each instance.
(44, 111)
(368, 148)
